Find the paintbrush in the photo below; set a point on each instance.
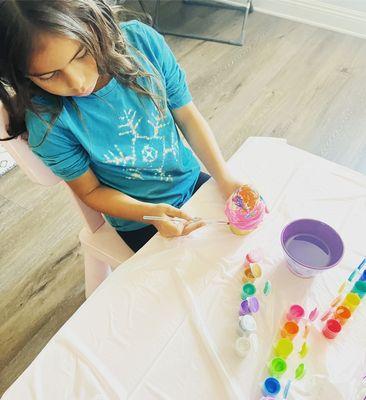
(345, 285)
(182, 220)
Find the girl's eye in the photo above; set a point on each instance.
(82, 54)
(48, 76)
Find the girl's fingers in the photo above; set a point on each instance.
(176, 212)
(190, 227)
(177, 228)
(173, 229)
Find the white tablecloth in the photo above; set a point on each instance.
(163, 325)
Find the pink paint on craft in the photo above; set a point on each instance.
(245, 210)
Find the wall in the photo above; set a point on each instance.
(346, 16)
(356, 5)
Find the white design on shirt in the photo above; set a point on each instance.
(149, 154)
(139, 151)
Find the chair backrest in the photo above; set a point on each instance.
(18, 148)
(39, 173)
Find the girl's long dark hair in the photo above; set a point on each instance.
(94, 23)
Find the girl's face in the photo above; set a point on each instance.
(62, 66)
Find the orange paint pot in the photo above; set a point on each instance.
(342, 314)
(290, 330)
(246, 279)
(248, 273)
(252, 271)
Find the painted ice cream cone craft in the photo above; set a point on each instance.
(245, 210)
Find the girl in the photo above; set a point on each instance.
(101, 102)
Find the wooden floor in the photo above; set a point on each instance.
(289, 80)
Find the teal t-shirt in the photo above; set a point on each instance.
(121, 136)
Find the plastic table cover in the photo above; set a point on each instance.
(164, 324)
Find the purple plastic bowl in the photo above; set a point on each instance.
(310, 247)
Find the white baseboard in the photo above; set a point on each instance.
(318, 13)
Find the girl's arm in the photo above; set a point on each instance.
(112, 202)
(200, 137)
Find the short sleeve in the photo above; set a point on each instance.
(178, 93)
(57, 148)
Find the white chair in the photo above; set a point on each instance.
(103, 248)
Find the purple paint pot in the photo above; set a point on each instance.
(244, 308)
(310, 247)
(253, 304)
(249, 306)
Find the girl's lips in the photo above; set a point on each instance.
(86, 93)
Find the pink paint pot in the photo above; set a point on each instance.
(331, 328)
(295, 313)
(254, 256)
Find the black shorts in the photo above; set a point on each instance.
(136, 239)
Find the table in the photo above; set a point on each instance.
(163, 325)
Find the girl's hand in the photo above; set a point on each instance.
(173, 229)
(228, 186)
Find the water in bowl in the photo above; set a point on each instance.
(309, 250)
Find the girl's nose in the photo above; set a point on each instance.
(75, 79)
